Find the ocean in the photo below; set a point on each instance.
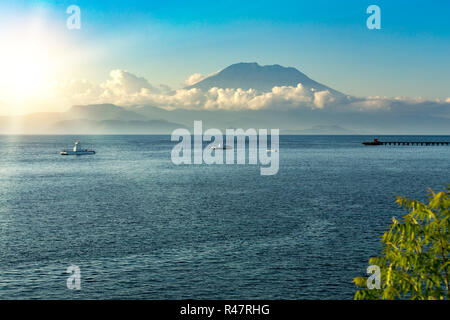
(140, 227)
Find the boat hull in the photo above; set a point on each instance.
(76, 153)
(371, 143)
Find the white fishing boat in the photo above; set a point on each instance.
(77, 150)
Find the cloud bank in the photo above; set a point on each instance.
(126, 89)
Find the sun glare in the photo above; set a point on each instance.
(28, 66)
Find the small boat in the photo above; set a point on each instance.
(375, 142)
(272, 150)
(219, 146)
(77, 150)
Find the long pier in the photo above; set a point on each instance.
(417, 143)
(376, 142)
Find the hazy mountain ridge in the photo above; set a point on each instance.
(322, 129)
(154, 120)
(89, 119)
(101, 112)
(115, 126)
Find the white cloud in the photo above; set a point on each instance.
(323, 98)
(194, 78)
(369, 104)
(197, 77)
(125, 89)
(123, 82)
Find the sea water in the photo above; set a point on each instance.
(140, 227)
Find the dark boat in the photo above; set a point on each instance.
(375, 142)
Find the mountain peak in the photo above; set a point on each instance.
(251, 75)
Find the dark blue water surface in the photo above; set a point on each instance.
(140, 227)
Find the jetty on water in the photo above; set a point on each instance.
(377, 142)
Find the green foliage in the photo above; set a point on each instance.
(415, 260)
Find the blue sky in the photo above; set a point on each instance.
(166, 41)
